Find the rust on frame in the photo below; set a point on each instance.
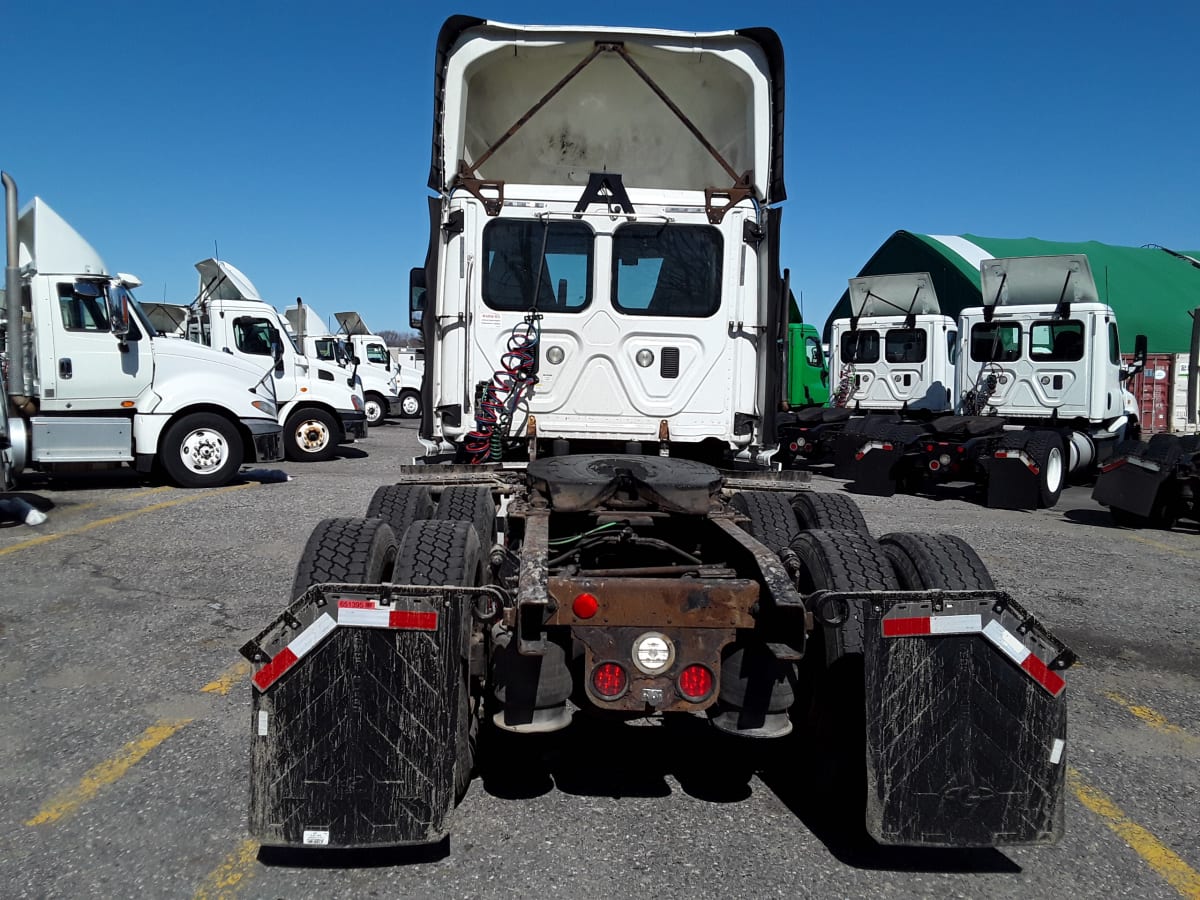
(656, 602)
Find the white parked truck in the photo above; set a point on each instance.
(1040, 392)
(892, 362)
(604, 277)
(89, 382)
(381, 392)
(320, 404)
(373, 353)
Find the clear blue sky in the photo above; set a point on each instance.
(297, 134)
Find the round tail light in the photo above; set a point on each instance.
(696, 683)
(609, 680)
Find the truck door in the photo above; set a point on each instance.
(260, 339)
(93, 368)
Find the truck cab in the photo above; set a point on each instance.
(374, 356)
(381, 393)
(92, 383)
(321, 404)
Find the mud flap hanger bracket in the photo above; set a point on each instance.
(717, 201)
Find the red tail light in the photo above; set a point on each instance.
(585, 606)
(609, 680)
(696, 682)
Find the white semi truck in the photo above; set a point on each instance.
(381, 391)
(1039, 386)
(320, 404)
(89, 382)
(373, 353)
(604, 301)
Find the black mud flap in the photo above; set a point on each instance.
(875, 473)
(1010, 485)
(966, 722)
(1131, 485)
(355, 692)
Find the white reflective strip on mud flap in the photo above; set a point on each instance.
(966, 624)
(364, 618)
(1056, 751)
(262, 722)
(1006, 641)
(312, 635)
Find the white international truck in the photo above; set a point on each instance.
(373, 354)
(320, 404)
(604, 301)
(1040, 388)
(89, 382)
(381, 391)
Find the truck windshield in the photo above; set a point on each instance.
(667, 270)
(542, 263)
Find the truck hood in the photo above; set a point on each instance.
(352, 323)
(52, 246)
(605, 117)
(201, 356)
(220, 280)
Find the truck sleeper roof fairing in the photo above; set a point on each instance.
(1037, 281)
(590, 110)
(907, 294)
(48, 243)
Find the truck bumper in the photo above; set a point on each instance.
(354, 424)
(267, 437)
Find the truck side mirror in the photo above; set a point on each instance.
(1139, 350)
(277, 349)
(416, 297)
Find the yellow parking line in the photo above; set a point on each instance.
(1159, 545)
(1151, 717)
(1157, 855)
(225, 682)
(107, 772)
(120, 517)
(223, 882)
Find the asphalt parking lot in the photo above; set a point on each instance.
(125, 728)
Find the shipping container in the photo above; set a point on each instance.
(1179, 394)
(1152, 386)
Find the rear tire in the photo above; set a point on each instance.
(201, 450)
(465, 503)
(441, 552)
(310, 435)
(352, 551)
(400, 505)
(1046, 449)
(828, 511)
(772, 521)
(925, 561)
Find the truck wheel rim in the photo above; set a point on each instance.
(373, 410)
(411, 405)
(312, 436)
(204, 451)
(1054, 470)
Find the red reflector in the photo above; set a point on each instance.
(608, 679)
(859, 455)
(887, 446)
(585, 606)
(962, 449)
(793, 446)
(1113, 465)
(269, 674)
(929, 448)
(416, 621)
(905, 627)
(934, 465)
(1034, 469)
(695, 682)
(1051, 681)
(1000, 454)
